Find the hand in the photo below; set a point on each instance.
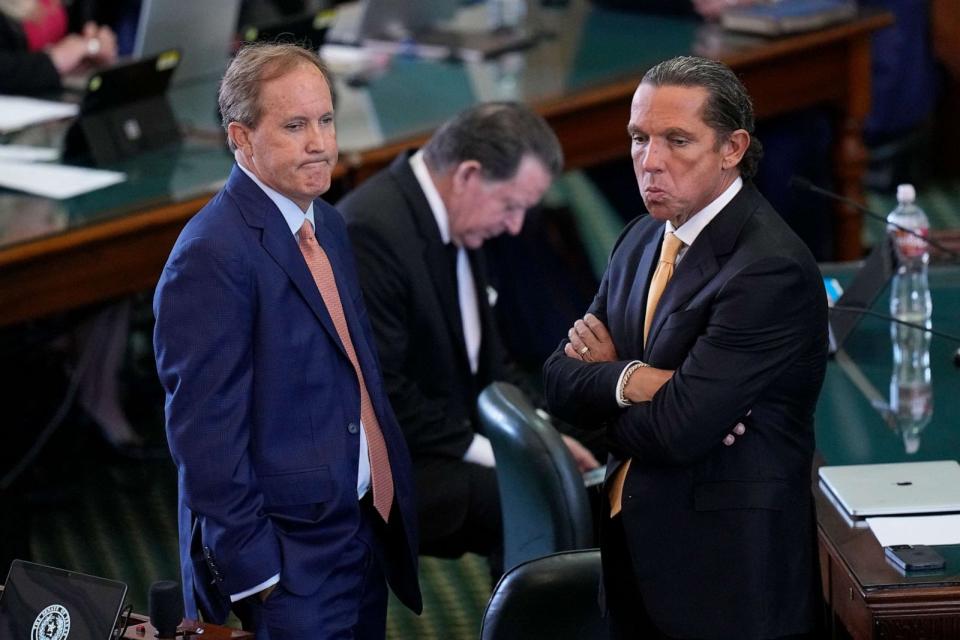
(263, 595)
(101, 44)
(590, 341)
(584, 459)
(68, 54)
(738, 430)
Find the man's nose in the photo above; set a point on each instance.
(317, 140)
(651, 159)
(515, 223)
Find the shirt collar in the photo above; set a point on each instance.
(291, 212)
(439, 210)
(696, 223)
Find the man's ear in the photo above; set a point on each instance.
(735, 146)
(240, 136)
(466, 172)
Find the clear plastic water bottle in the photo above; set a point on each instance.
(911, 392)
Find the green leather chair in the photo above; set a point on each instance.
(543, 500)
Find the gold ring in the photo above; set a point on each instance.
(583, 350)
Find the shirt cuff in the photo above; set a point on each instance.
(628, 370)
(480, 451)
(236, 597)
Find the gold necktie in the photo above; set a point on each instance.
(381, 478)
(661, 276)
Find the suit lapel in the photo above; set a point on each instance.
(260, 212)
(434, 251)
(633, 327)
(702, 260)
(698, 266)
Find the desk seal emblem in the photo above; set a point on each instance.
(53, 623)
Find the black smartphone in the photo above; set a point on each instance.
(915, 557)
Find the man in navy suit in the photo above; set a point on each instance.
(296, 497)
(711, 315)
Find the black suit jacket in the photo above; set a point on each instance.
(23, 71)
(722, 538)
(411, 296)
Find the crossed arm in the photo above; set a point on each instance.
(591, 342)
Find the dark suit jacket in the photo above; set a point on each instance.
(23, 71)
(263, 405)
(722, 538)
(411, 293)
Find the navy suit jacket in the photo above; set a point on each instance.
(722, 539)
(263, 405)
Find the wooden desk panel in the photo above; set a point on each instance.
(903, 609)
(141, 629)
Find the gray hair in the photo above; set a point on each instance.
(497, 135)
(728, 106)
(256, 63)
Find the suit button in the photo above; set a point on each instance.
(353, 428)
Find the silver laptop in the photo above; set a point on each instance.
(894, 489)
(40, 602)
(203, 31)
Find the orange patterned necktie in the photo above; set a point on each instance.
(381, 478)
(661, 276)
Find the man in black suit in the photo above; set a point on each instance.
(711, 315)
(416, 229)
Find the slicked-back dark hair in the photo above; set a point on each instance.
(497, 135)
(728, 106)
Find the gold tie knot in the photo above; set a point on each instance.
(671, 247)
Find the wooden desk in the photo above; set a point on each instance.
(141, 629)
(871, 599)
(122, 248)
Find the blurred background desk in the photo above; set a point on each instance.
(56, 256)
(868, 596)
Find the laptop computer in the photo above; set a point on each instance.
(125, 111)
(424, 28)
(203, 31)
(307, 29)
(46, 603)
(901, 488)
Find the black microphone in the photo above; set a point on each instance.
(799, 182)
(166, 608)
(884, 316)
(913, 325)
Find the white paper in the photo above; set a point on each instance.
(55, 180)
(24, 153)
(944, 529)
(17, 112)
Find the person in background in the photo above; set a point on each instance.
(37, 48)
(417, 230)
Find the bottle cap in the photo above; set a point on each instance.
(906, 194)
